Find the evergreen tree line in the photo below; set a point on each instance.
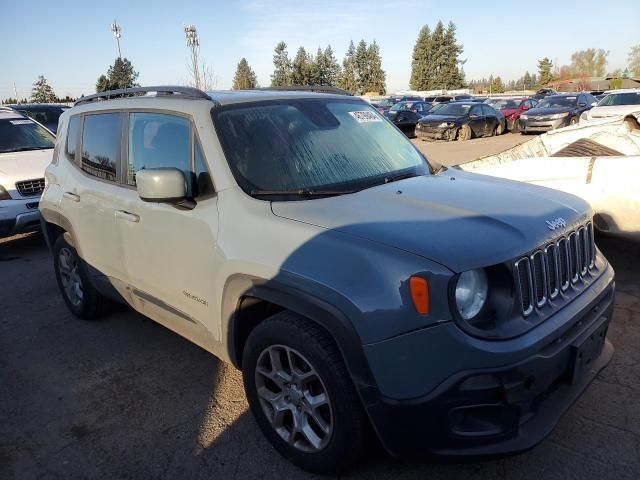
(361, 70)
(436, 62)
(40, 93)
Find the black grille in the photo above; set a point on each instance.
(30, 188)
(547, 272)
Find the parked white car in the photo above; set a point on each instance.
(616, 103)
(26, 148)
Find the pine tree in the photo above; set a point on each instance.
(302, 68)
(349, 77)
(450, 71)
(332, 74)
(120, 75)
(496, 85)
(245, 78)
(362, 67)
(377, 76)
(281, 75)
(421, 63)
(42, 91)
(544, 71)
(318, 69)
(438, 55)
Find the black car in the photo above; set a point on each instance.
(461, 121)
(46, 114)
(405, 115)
(556, 111)
(544, 92)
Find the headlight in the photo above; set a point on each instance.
(584, 117)
(471, 293)
(446, 124)
(556, 116)
(4, 195)
(524, 117)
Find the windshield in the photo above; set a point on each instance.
(631, 98)
(401, 106)
(308, 144)
(454, 109)
(18, 134)
(555, 102)
(502, 103)
(48, 115)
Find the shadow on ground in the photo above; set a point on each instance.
(125, 398)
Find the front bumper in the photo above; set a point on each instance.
(542, 124)
(429, 132)
(19, 216)
(487, 411)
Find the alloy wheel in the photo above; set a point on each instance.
(70, 276)
(294, 398)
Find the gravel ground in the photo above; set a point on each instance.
(125, 398)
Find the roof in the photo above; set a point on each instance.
(38, 105)
(230, 97)
(7, 113)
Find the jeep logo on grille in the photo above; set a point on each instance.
(556, 223)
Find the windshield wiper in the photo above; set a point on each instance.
(400, 176)
(303, 192)
(25, 149)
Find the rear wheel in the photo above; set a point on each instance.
(78, 293)
(464, 133)
(301, 394)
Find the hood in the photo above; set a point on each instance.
(435, 118)
(548, 111)
(17, 166)
(458, 219)
(613, 110)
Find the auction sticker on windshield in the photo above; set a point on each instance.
(365, 117)
(20, 122)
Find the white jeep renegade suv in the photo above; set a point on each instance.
(303, 238)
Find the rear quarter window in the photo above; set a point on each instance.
(101, 145)
(72, 138)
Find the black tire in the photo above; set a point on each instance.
(346, 442)
(464, 133)
(573, 121)
(91, 305)
(500, 129)
(516, 127)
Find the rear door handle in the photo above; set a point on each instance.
(71, 196)
(129, 217)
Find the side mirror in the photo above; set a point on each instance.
(524, 107)
(163, 185)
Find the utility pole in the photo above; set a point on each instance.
(193, 43)
(116, 30)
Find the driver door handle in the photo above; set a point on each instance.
(71, 196)
(129, 217)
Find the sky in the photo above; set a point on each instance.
(70, 42)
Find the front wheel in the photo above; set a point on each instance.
(301, 394)
(573, 121)
(499, 129)
(464, 133)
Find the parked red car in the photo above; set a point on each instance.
(512, 108)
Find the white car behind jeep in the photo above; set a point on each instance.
(25, 151)
(616, 103)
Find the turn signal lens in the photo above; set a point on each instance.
(420, 294)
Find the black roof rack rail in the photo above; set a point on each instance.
(182, 92)
(308, 88)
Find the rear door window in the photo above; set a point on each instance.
(101, 145)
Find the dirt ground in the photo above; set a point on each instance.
(125, 398)
(455, 153)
